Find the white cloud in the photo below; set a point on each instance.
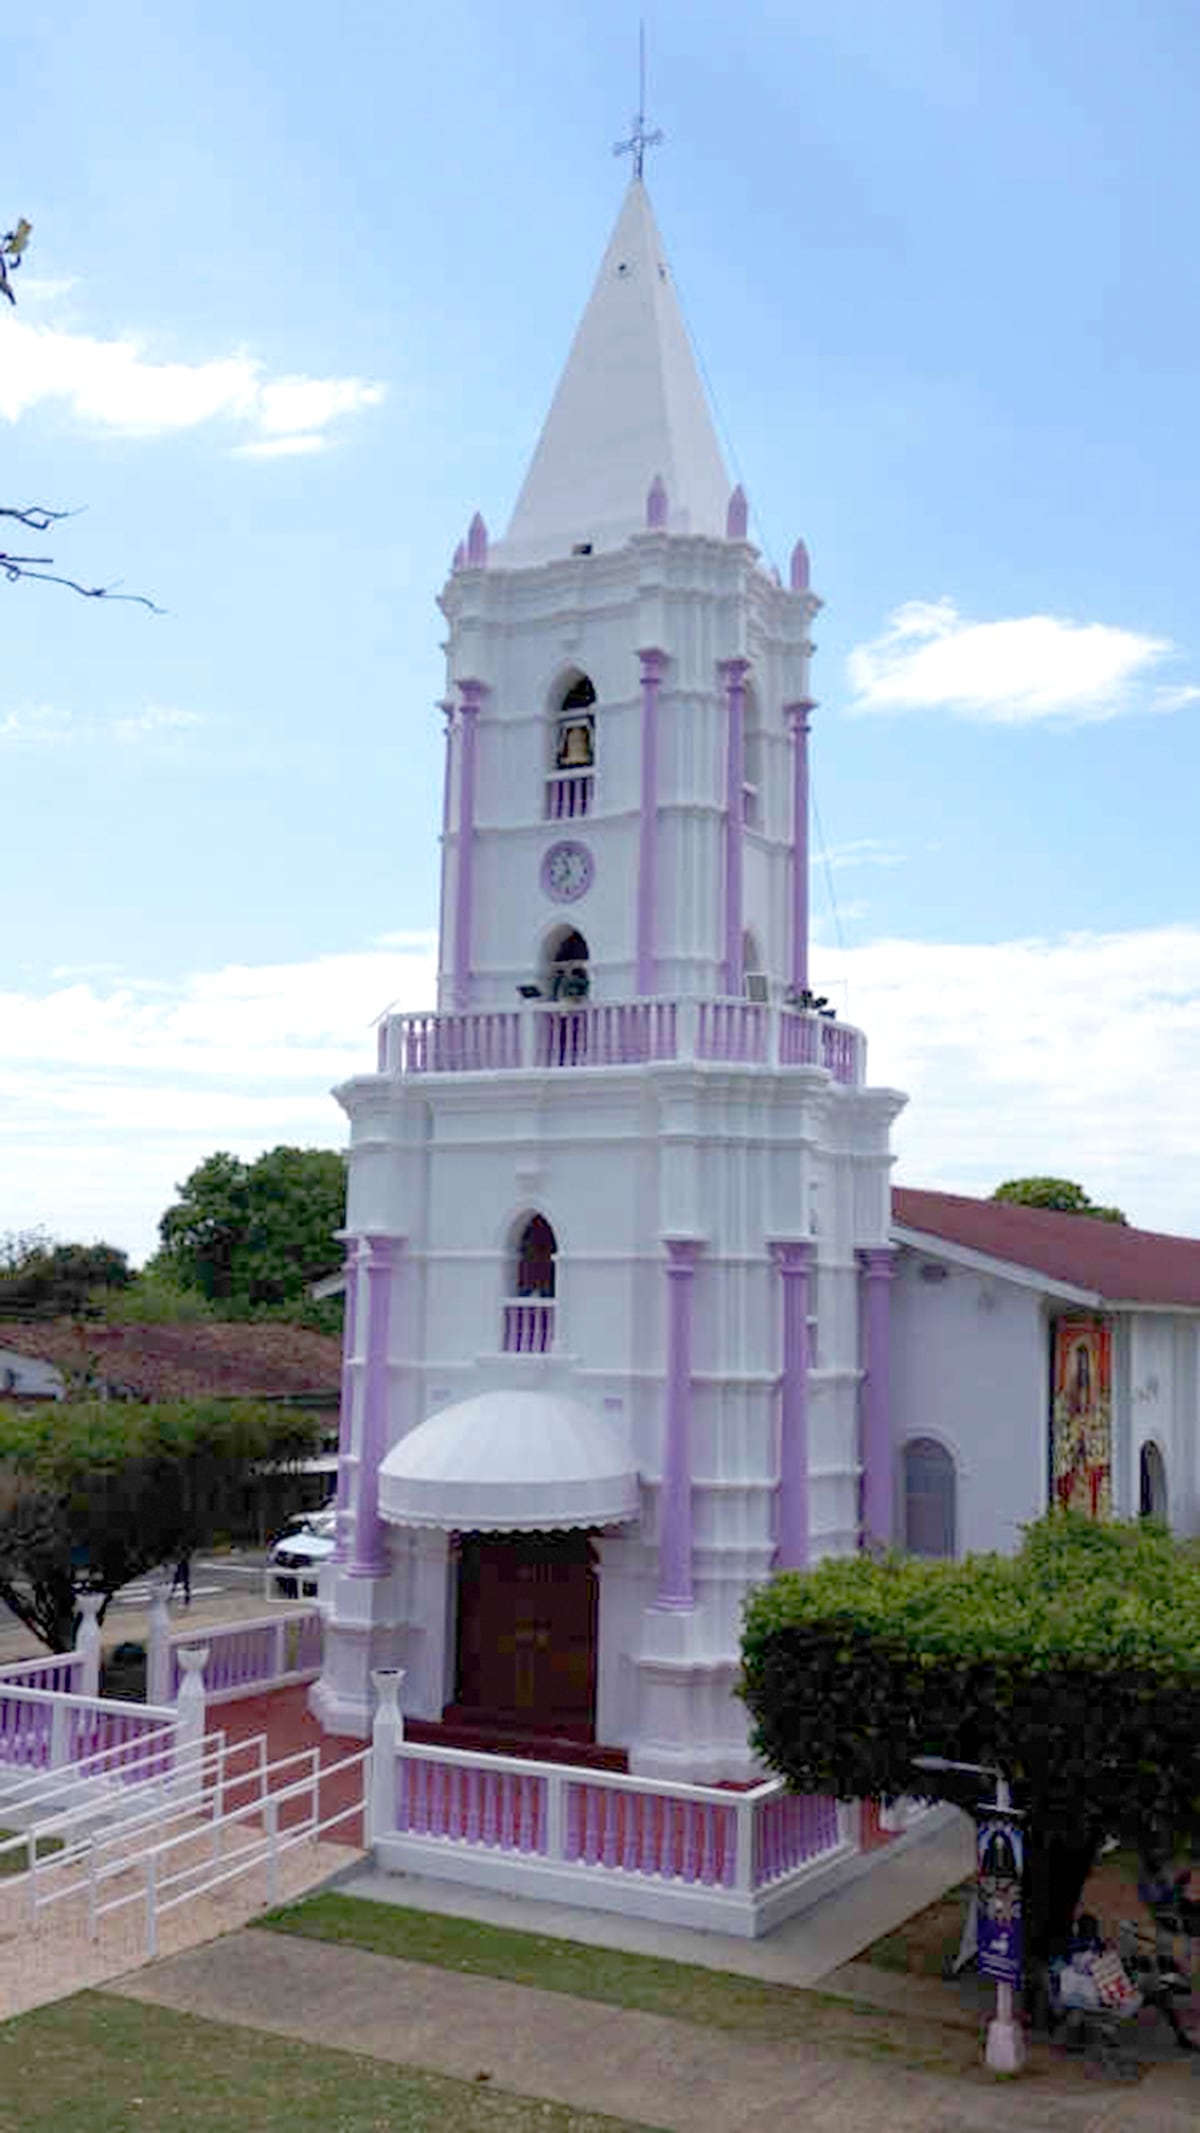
(115, 384)
(46, 725)
(1078, 1055)
(280, 447)
(35, 726)
(863, 852)
(155, 719)
(1012, 672)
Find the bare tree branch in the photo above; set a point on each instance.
(19, 566)
(38, 517)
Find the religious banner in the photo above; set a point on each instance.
(1000, 1853)
(1081, 1416)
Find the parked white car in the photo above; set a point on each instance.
(295, 1559)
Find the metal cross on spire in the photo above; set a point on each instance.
(639, 139)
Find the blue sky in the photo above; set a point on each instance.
(297, 296)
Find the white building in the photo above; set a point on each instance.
(618, 1230)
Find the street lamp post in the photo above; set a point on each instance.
(1005, 2050)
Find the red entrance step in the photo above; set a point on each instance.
(451, 1731)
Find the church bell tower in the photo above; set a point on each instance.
(617, 1265)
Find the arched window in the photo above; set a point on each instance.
(529, 1307)
(930, 1490)
(572, 753)
(1152, 1484)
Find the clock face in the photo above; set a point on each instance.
(567, 871)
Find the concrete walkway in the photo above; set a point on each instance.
(915, 1872)
(656, 2070)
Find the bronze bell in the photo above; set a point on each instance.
(575, 747)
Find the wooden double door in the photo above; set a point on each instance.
(527, 1616)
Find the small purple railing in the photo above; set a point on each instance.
(528, 1328)
(246, 1657)
(60, 1671)
(44, 1729)
(792, 1828)
(696, 1836)
(734, 1030)
(603, 1033)
(616, 1033)
(569, 796)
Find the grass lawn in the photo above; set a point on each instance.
(716, 1999)
(16, 1861)
(98, 2065)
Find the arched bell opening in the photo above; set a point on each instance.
(572, 742)
(1152, 1484)
(565, 959)
(531, 1281)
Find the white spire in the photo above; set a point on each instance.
(629, 406)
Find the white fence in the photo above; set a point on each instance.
(213, 1824)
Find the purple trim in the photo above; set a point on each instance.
(341, 1500)
(798, 717)
(656, 505)
(737, 516)
(460, 557)
(472, 693)
(793, 1260)
(368, 1557)
(801, 568)
(675, 1587)
(733, 673)
(477, 543)
(877, 1263)
(652, 663)
(446, 708)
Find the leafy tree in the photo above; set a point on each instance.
(92, 1495)
(1059, 1194)
(39, 1276)
(1073, 1666)
(251, 1237)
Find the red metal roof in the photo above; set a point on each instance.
(206, 1359)
(1122, 1264)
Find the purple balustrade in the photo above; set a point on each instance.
(568, 795)
(528, 1327)
(790, 1829)
(732, 1030)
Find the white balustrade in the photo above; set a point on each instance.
(739, 1845)
(605, 1033)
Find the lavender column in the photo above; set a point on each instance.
(341, 1501)
(675, 1503)
(793, 1260)
(472, 696)
(446, 707)
(368, 1550)
(877, 1266)
(733, 673)
(652, 663)
(798, 716)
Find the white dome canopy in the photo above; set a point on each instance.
(507, 1462)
